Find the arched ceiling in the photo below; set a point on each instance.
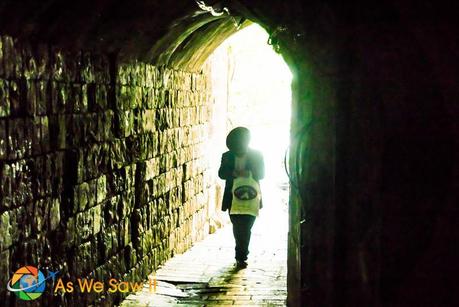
(180, 33)
(176, 34)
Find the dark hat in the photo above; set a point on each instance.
(238, 138)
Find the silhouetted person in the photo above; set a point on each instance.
(238, 162)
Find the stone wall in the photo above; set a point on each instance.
(101, 165)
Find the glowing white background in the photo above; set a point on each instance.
(252, 83)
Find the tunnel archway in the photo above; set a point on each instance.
(189, 49)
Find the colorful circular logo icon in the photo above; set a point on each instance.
(28, 283)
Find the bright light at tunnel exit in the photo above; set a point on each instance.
(252, 88)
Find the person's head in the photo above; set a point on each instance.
(238, 140)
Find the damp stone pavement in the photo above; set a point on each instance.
(205, 275)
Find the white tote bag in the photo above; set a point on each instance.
(246, 196)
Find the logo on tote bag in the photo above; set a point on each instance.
(245, 192)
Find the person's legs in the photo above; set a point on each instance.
(242, 225)
(237, 233)
(248, 221)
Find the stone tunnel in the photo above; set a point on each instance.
(105, 110)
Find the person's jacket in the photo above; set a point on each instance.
(254, 164)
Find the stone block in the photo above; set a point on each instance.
(59, 97)
(97, 219)
(87, 68)
(73, 131)
(115, 239)
(160, 98)
(16, 56)
(115, 210)
(81, 197)
(148, 123)
(44, 102)
(105, 125)
(91, 130)
(133, 146)
(35, 134)
(152, 142)
(150, 75)
(5, 265)
(148, 97)
(42, 58)
(75, 94)
(130, 174)
(125, 97)
(116, 181)
(5, 109)
(57, 131)
(136, 100)
(140, 77)
(39, 213)
(5, 231)
(93, 161)
(54, 214)
(143, 147)
(172, 100)
(123, 74)
(44, 131)
(75, 164)
(125, 232)
(107, 243)
(21, 183)
(29, 63)
(84, 259)
(162, 159)
(70, 231)
(130, 255)
(10, 61)
(103, 160)
(126, 123)
(18, 144)
(102, 96)
(101, 188)
(17, 97)
(84, 225)
(125, 205)
(30, 99)
(58, 65)
(152, 168)
(82, 105)
(91, 97)
(20, 226)
(92, 196)
(162, 140)
(27, 137)
(6, 179)
(3, 141)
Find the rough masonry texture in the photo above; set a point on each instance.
(101, 165)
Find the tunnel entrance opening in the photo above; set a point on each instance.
(251, 86)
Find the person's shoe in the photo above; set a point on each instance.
(241, 264)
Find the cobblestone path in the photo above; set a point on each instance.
(205, 275)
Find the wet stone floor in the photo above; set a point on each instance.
(206, 275)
